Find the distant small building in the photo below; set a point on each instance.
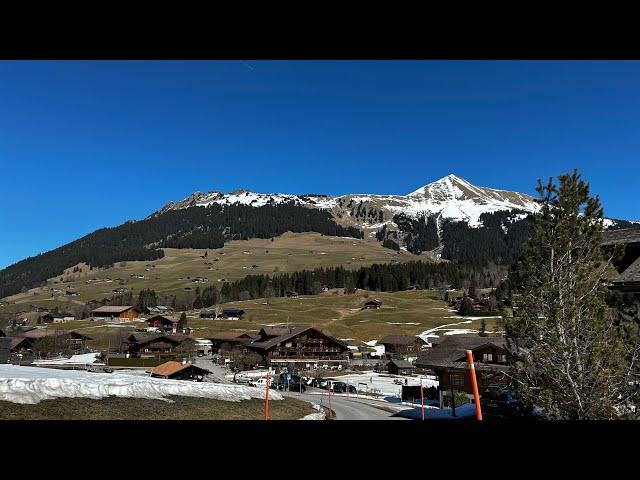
(159, 346)
(400, 367)
(232, 340)
(59, 339)
(291, 293)
(374, 304)
(123, 312)
(232, 313)
(402, 344)
(164, 322)
(59, 317)
(204, 346)
(179, 371)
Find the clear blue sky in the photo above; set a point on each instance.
(90, 144)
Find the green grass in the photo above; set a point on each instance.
(182, 408)
(288, 253)
(341, 315)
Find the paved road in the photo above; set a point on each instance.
(349, 408)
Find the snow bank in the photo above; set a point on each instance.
(83, 359)
(32, 384)
(319, 415)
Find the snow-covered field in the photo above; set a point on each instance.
(30, 385)
(83, 359)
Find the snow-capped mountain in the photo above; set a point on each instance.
(451, 198)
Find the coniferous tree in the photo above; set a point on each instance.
(570, 358)
(182, 324)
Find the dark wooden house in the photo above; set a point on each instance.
(231, 341)
(160, 346)
(57, 317)
(179, 371)
(232, 313)
(627, 278)
(400, 367)
(448, 361)
(48, 340)
(123, 312)
(164, 322)
(300, 346)
(373, 304)
(402, 344)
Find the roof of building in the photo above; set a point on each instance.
(58, 314)
(172, 367)
(142, 339)
(451, 352)
(15, 341)
(232, 336)
(401, 363)
(375, 301)
(168, 318)
(231, 311)
(631, 274)
(49, 332)
(621, 235)
(113, 309)
(293, 332)
(275, 331)
(401, 339)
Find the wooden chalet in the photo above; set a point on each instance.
(232, 313)
(374, 304)
(159, 346)
(628, 267)
(300, 346)
(179, 371)
(21, 345)
(57, 340)
(164, 322)
(402, 344)
(123, 312)
(57, 317)
(400, 367)
(448, 361)
(231, 341)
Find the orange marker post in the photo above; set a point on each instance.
(422, 399)
(266, 405)
(474, 383)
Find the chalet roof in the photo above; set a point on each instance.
(401, 363)
(58, 314)
(15, 341)
(452, 350)
(232, 336)
(170, 368)
(113, 309)
(49, 332)
(144, 339)
(622, 235)
(293, 332)
(631, 274)
(400, 339)
(275, 331)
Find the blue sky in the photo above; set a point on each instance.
(90, 144)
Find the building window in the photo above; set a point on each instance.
(457, 380)
(487, 357)
(502, 358)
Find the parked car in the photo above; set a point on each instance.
(293, 383)
(342, 387)
(261, 382)
(499, 401)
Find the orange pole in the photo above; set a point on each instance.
(474, 382)
(266, 405)
(422, 399)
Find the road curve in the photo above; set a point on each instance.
(347, 408)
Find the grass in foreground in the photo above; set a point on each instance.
(182, 408)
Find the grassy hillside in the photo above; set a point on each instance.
(287, 253)
(341, 315)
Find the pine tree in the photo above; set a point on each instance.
(182, 324)
(466, 307)
(570, 359)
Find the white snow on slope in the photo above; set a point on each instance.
(450, 197)
(33, 384)
(83, 359)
